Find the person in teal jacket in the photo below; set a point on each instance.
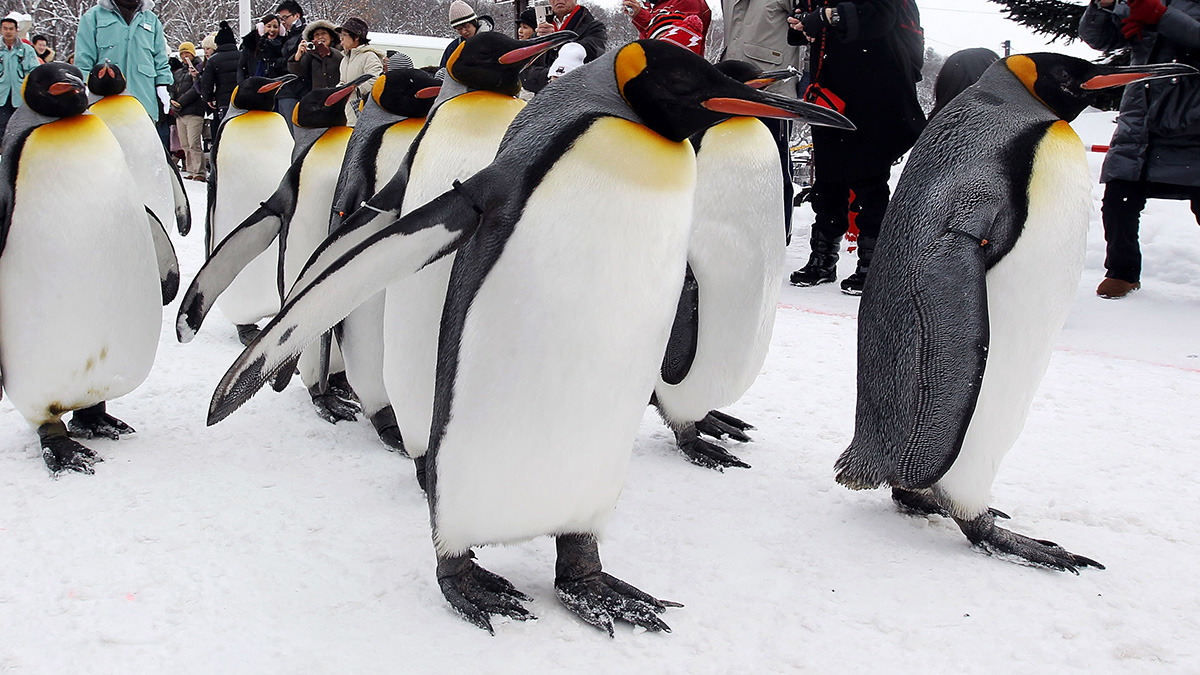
(129, 35)
(17, 58)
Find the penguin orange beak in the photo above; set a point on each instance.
(341, 94)
(533, 47)
(771, 77)
(788, 109)
(1123, 75)
(275, 84)
(107, 71)
(428, 92)
(60, 88)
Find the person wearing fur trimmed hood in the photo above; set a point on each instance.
(321, 65)
(359, 58)
(129, 35)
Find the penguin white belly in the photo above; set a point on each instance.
(80, 301)
(560, 347)
(1029, 294)
(393, 148)
(736, 254)
(134, 130)
(461, 139)
(253, 155)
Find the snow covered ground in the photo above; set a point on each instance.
(275, 542)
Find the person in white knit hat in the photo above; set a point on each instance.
(569, 58)
(464, 20)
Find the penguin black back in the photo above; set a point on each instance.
(55, 90)
(106, 79)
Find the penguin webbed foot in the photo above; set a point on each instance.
(476, 593)
(388, 430)
(61, 453)
(720, 425)
(704, 453)
(984, 534)
(94, 422)
(333, 408)
(598, 597)
(924, 503)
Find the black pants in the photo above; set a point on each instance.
(6, 112)
(1122, 211)
(831, 205)
(782, 131)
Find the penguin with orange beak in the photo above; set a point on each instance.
(571, 250)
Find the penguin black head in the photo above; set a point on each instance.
(408, 92)
(324, 108)
(1066, 85)
(677, 93)
(258, 93)
(55, 90)
(106, 79)
(492, 61)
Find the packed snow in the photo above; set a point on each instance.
(275, 542)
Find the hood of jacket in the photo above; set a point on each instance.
(319, 23)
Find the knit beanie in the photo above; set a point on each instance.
(225, 35)
(187, 47)
(399, 60)
(570, 57)
(460, 13)
(209, 41)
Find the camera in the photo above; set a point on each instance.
(310, 45)
(542, 12)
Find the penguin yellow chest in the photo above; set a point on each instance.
(80, 303)
(563, 341)
(394, 146)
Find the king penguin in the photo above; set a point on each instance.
(474, 107)
(81, 289)
(977, 265)
(157, 176)
(251, 152)
(297, 215)
(727, 308)
(560, 303)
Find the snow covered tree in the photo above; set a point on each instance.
(1056, 19)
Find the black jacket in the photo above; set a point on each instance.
(593, 35)
(862, 62)
(298, 88)
(261, 56)
(184, 92)
(220, 76)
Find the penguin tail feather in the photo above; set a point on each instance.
(858, 473)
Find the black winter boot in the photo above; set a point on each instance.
(853, 284)
(822, 262)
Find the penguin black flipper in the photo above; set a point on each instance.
(398, 251)
(164, 252)
(183, 208)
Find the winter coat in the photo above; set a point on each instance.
(593, 35)
(261, 57)
(138, 48)
(860, 62)
(290, 43)
(667, 20)
(220, 76)
(320, 71)
(359, 61)
(1158, 129)
(756, 31)
(15, 63)
(47, 57)
(183, 92)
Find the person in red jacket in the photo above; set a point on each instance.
(682, 22)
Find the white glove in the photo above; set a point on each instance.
(163, 97)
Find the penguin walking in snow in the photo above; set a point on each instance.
(157, 176)
(390, 120)
(297, 215)
(560, 304)
(81, 290)
(731, 288)
(473, 109)
(977, 265)
(251, 152)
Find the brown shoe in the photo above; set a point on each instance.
(1115, 289)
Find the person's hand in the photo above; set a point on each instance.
(813, 23)
(300, 49)
(543, 28)
(631, 7)
(1132, 29)
(1149, 12)
(163, 97)
(1106, 4)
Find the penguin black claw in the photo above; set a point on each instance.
(983, 533)
(388, 430)
(95, 422)
(598, 597)
(63, 454)
(703, 453)
(922, 503)
(334, 409)
(720, 425)
(476, 593)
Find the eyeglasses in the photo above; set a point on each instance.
(286, 17)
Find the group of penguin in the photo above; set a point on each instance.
(502, 288)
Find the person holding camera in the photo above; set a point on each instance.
(861, 65)
(315, 58)
(565, 15)
(358, 58)
(1155, 150)
(291, 31)
(189, 111)
(681, 22)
